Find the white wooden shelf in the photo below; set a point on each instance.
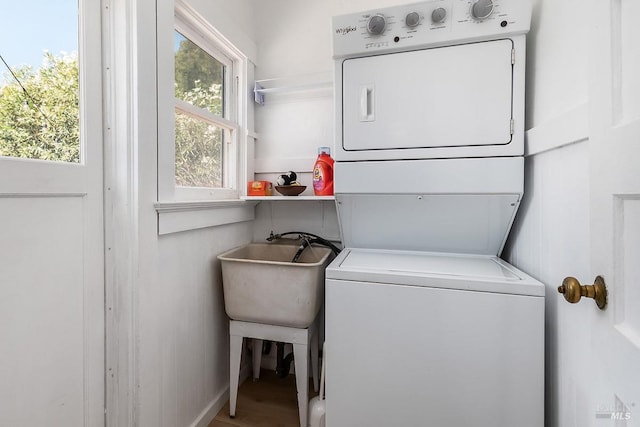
(293, 88)
(287, 198)
(318, 82)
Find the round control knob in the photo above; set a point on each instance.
(412, 19)
(438, 15)
(376, 24)
(482, 9)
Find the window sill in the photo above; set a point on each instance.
(175, 217)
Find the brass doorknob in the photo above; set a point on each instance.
(573, 291)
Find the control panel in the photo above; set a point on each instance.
(428, 23)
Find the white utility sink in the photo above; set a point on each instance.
(262, 285)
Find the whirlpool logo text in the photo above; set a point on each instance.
(345, 30)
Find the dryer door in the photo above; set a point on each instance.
(455, 96)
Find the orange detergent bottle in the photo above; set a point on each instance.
(323, 173)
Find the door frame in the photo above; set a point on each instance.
(121, 202)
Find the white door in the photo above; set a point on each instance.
(615, 210)
(51, 270)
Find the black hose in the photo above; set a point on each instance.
(317, 239)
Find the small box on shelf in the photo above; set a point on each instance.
(259, 188)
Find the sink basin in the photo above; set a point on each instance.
(262, 285)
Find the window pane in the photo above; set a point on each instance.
(199, 76)
(198, 153)
(39, 108)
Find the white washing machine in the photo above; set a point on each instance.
(425, 324)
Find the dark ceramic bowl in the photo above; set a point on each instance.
(290, 190)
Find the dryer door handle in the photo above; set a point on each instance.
(367, 103)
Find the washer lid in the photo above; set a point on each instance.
(481, 273)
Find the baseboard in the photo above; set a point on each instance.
(212, 409)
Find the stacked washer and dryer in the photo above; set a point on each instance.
(425, 324)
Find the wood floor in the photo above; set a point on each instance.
(270, 402)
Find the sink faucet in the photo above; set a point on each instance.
(301, 248)
(273, 237)
(309, 238)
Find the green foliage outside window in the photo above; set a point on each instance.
(41, 121)
(199, 80)
(196, 70)
(198, 147)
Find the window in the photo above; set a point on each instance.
(206, 115)
(39, 81)
(202, 92)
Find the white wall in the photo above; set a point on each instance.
(557, 60)
(294, 44)
(550, 239)
(294, 36)
(184, 331)
(180, 342)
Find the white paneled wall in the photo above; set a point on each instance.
(184, 346)
(317, 217)
(550, 239)
(290, 131)
(179, 324)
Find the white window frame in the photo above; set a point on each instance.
(192, 26)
